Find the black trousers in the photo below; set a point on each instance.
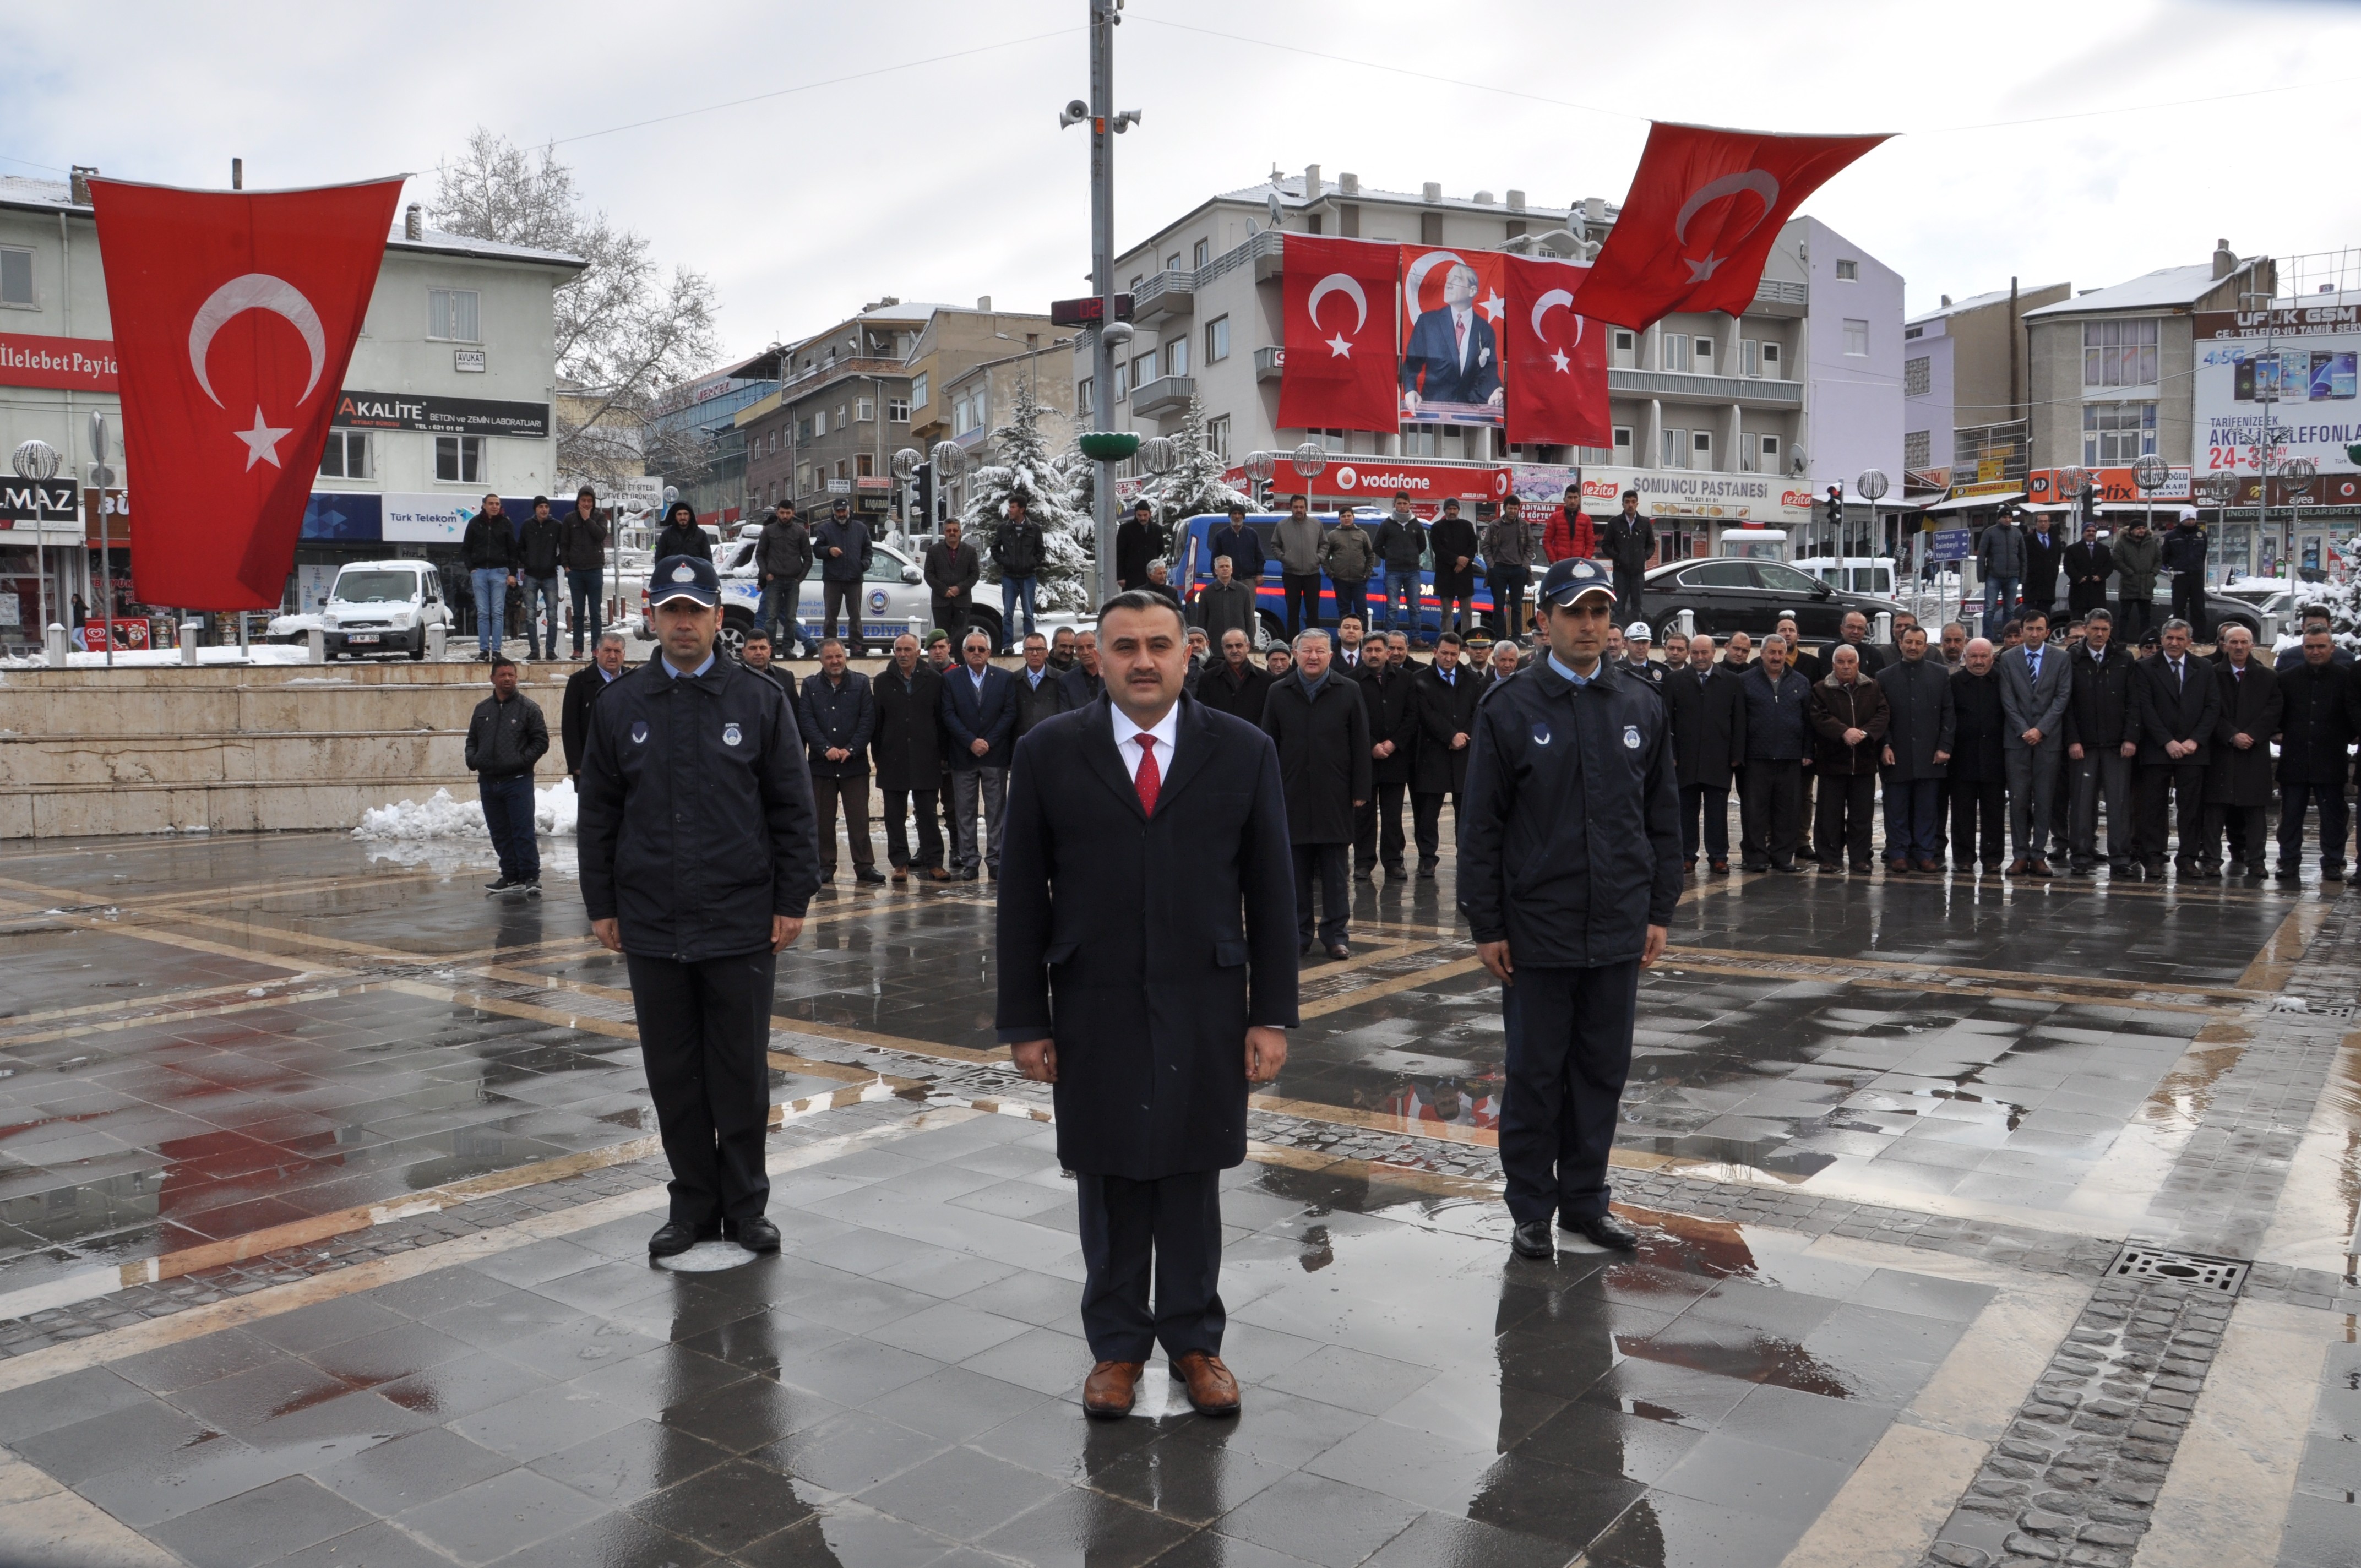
(1301, 593)
(1979, 823)
(899, 805)
(1330, 866)
(1770, 813)
(2187, 781)
(1569, 1050)
(2329, 798)
(2245, 825)
(951, 615)
(2188, 603)
(1377, 828)
(1172, 1226)
(705, 1037)
(2134, 614)
(1848, 806)
(852, 789)
(834, 595)
(1426, 824)
(1353, 599)
(1710, 803)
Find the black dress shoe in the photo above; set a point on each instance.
(1339, 950)
(1532, 1239)
(1602, 1230)
(967, 873)
(868, 875)
(1426, 870)
(672, 1239)
(757, 1234)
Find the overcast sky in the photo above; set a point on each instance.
(944, 179)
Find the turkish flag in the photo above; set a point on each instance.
(235, 315)
(1338, 297)
(1704, 206)
(1555, 360)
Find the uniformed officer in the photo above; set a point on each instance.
(1569, 864)
(697, 861)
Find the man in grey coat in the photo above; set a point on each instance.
(1298, 539)
(1917, 754)
(2036, 683)
(1225, 603)
(2000, 561)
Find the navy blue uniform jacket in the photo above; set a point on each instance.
(1145, 946)
(697, 822)
(1569, 828)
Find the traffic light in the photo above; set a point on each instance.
(925, 478)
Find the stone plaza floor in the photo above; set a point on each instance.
(1983, 1222)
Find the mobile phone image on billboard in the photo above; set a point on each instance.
(2242, 377)
(2332, 375)
(2295, 375)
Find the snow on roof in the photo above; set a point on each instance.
(1972, 303)
(2165, 285)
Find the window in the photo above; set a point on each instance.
(1771, 362)
(803, 478)
(1203, 254)
(1912, 333)
(1783, 579)
(1623, 445)
(1122, 381)
(1856, 337)
(1142, 369)
(347, 455)
(451, 315)
(1085, 391)
(1919, 449)
(1217, 340)
(1172, 262)
(1137, 279)
(16, 278)
(1718, 575)
(2119, 354)
(840, 421)
(803, 430)
(1176, 357)
(2116, 434)
(1418, 441)
(459, 459)
(1701, 448)
(1702, 353)
(820, 421)
(919, 391)
(965, 415)
(897, 410)
(860, 463)
(1918, 377)
(864, 409)
(1675, 449)
(1217, 434)
(1847, 271)
(1334, 440)
(1675, 351)
(840, 467)
(1750, 357)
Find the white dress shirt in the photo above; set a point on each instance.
(1127, 734)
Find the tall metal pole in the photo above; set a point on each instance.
(1102, 24)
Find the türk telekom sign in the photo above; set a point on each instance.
(73, 364)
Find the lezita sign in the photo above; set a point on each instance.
(74, 364)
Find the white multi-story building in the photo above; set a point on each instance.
(1716, 420)
(448, 395)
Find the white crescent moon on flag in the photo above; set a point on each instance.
(256, 292)
(1339, 283)
(1417, 275)
(1754, 179)
(1549, 302)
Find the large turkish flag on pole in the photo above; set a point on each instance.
(235, 316)
(1338, 300)
(1697, 225)
(1555, 369)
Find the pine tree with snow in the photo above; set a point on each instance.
(1196, 483)
(1025, 471)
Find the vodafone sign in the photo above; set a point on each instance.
(1376, 479)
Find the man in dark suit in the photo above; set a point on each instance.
(2035, 681)
(1629, 542)
(1452, 355)
(839, 718)
(2101, 737)
(2044, 548)
(1918, 724)
(2089, 564)
(1137, 541)
(1388, 690)
(1709, 715)
(906, 747)
(1979, 775)
(1039, 695)
(1083, 683)
(1444, 695)
(2238, 779)
(1145, 973)
(582, 689)
(1234, 685)
(2320, 716)
(979, 713)
(1316, 719)
(2180, 706)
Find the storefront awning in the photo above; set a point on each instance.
(1965, 503)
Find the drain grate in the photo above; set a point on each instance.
(2195, 1270)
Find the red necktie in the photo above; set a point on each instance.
(1459, 335)
(1147, 780)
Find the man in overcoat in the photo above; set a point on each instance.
(1316, 718)
(1917, 753)
(1444, 694)
(2238, 779)
(2320, 717)
(1709, 715)
(1146, 972)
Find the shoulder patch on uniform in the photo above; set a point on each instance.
(1631, 736)
(1541, 733)
(639, 732)
(730, 735)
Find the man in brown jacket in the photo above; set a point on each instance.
(1848, 721)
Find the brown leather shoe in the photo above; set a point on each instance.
(1212, 1390)
(1107, 1391)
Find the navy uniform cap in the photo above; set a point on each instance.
(1570, 579)
(690, 577)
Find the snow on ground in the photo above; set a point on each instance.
(441, 817)
(160, 658)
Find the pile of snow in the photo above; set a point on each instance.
(441, 817)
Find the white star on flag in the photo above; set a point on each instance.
(1699, 271)
(1494, 307)
(1557, 358)
(261, 442)
(1338, 345)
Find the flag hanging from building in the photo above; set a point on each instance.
(235, 315)
(1453, 304)
(1338, 300)
(1704, 208)
(1554, 359)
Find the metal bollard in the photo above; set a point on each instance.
(319, 646)
(56, 645)
(437, 639)
(189, 630)
(1883, 631)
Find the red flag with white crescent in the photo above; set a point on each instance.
(1555, 369)
(1696, 228)
(235, 315)
(1338, 301)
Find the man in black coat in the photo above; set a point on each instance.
(1145, 972)
(582, 689)
(506, 736)
(1234, 685)
(783, 559)
(539, 544)
(2089, 564)
(951, 570)
(2183, 554)
(1444, 694)
(1917, 753)
(697, 863)
(2178, 705)
(1779, 747)
(906, 750)
(2044, 548)
(582, 548)
(1039, 695)
(1083, 682)
(1979, 767)
(1390, 692)
(488, 550)
(979, 714)
(1138, 540)
(2320, 717)
(680, 536)
(839, 716)
(1453, 540)
(1629, 545)
(2101, 735)
(1708, 718)
(2238, 779)
(1316, 719)
(842, 548)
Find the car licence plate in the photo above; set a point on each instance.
(360, 637)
